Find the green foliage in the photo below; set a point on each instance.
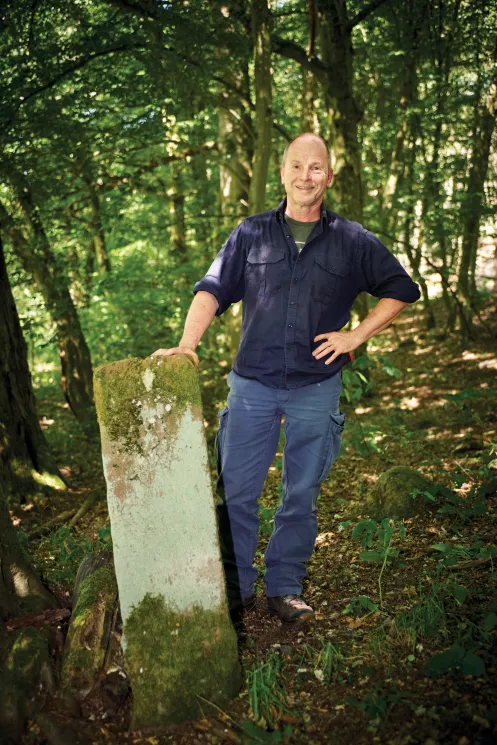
(267, 692)
(453, 553)
(258, 734)
(456, 658)
(65, 549)
(377, 705)
(329, 663)
(360, 606)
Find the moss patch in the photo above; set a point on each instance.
(89, 631)
(390, 496)
(120, 392)
(173, 657)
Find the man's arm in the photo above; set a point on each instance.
(341, 342)
(199, 318)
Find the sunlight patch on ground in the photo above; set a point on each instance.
(363, 410)
(409, 403)
(488, 364)
(423, 350)
(371, 478)
(46, 423)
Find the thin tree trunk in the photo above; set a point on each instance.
(474, 197)
(24, 454)
(178, 222)
(38, 260)
(308, 119)
(263, 104)
(97, 229)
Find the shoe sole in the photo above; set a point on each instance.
(304, 616)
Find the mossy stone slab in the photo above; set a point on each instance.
(178, 638)
(390, 495)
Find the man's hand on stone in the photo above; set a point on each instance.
(177, 350)
(337, 343)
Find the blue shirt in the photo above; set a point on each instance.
(291, 297)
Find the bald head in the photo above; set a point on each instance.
(303, 138)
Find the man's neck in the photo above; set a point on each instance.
(303, 214)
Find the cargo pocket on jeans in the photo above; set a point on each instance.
(334, 440)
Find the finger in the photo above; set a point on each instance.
(332, 358)
(320, 336)
(322, 349)
(323, 353)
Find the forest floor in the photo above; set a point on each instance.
(403, 647)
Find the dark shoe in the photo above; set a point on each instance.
(289, 608)
(242, 604)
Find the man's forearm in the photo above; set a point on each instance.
(379, 318)
(199, 318)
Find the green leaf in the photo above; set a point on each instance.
(444, 661)
(459, 592)
(371, 556)
(471, 664)
(490, 621)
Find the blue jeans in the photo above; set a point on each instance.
(247, 441)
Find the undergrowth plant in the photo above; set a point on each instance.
(64, 550)
(381, 536)
(267, 692)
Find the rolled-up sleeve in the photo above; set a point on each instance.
(225, 277)
(381, 274)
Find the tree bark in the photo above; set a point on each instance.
(345, 114)
(236, 146)
(263, 104)
(38, 261)
(21, 589)
(177, 212)
(475, 197)
(24, 454)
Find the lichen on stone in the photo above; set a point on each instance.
(124, 389)
(173, 657)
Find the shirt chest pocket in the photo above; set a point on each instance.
(329, 279)
(264, 270)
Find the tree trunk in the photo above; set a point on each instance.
(178, 222)
(308, 118)
(336, 49)
(263, 104)
(97, 229)
(474, 197)
(236, 146)
(24, 454)
(38, 260)
(21, 589)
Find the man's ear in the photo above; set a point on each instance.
(330, 177)
(282, 174)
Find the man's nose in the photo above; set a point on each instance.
(307, 172)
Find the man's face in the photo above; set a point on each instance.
(306, 173)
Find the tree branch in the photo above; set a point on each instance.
(65, 73)
(364, 13)
(294, 51)
(129, 7)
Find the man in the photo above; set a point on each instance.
(298, 269)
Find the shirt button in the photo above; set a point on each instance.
(289, 347)
(295, 280)
(293, 302)
(264, 258)
(290, 325)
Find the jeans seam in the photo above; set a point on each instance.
(275, 418)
